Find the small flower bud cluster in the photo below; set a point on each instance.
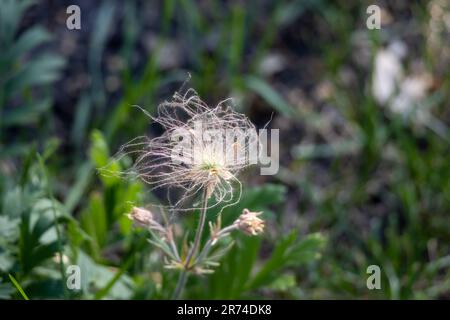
(144, 218)
(249, 223)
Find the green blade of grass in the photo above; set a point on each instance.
(17, 285)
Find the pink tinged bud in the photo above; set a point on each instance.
(249, 223)
(141, 217)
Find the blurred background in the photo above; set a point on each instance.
(363, 115)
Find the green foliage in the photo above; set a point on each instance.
(378, 194)
(238, 266)
(19, 288)
(106, 209)
(289, 252)
(18, 73)
(28, 237)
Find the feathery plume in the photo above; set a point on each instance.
(202, 148)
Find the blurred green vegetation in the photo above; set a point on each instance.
(358, 185)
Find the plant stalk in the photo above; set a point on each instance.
(180, 285)
(198, 235)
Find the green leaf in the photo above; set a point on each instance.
(94, 222)
(38, 238)
(11, 12)
(29, 40)
(99, 154)
(83, 178)
(283, 282)
(6, 290)
(96, 276)
(262, 88)
(99, 149)
(39, 71)
(80, 125)
(288, 252)
(8, 228)
(19, 288)
(6, 261)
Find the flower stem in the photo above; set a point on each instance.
(180, 284)
(210, 242)
(198, 234)
(201, 224)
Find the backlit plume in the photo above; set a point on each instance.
(202, 149)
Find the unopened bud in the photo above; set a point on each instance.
(249, 223)
(141, 217)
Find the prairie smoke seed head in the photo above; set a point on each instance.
(249, 223)
(202, 148)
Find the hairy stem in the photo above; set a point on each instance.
(210, 242)
(198, 235)
(180, 285)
